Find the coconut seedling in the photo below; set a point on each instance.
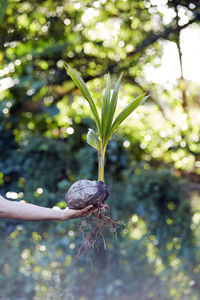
(85, 192)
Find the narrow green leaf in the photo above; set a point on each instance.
(105, 109)
(113, 104)
(85, 92)
(93, 139)
(125, 113)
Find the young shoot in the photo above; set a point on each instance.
(106, 123)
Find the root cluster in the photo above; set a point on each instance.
(93, 226)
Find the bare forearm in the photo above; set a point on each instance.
(30, 212)
(26, 211)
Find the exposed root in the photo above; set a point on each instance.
(93, 225)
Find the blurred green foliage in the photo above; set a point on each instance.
(152, 166)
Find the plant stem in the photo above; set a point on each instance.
(100, 167)
(101, 157)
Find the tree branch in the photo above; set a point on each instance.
(154, 37)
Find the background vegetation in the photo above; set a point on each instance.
(152, 165)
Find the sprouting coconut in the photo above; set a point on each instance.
(86, 192)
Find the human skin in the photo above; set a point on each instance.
(30, 212)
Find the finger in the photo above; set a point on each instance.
(86, 209)
(94, 210)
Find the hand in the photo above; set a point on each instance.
(73, 214)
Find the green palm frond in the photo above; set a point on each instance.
(125, 113)
(113, 104)
(105, 109)
(106, 125)
(93, 139)
(85, 92)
